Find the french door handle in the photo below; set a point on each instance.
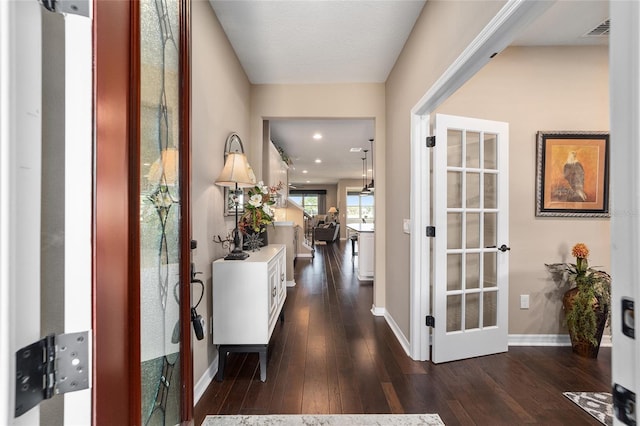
(504, 248)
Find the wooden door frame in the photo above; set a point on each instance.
(116, 274)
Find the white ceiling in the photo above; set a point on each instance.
(307, 41)
(352, 41)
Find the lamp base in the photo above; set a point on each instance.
(236, 255)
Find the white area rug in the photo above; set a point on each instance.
(327, 420)
(598, 404)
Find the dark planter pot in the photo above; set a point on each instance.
(584, 347)
(254, 240)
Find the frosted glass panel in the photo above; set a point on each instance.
(159, 213)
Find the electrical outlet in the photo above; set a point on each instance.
(524, 301)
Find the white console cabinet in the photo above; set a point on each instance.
(248, 296)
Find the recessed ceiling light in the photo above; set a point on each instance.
(317, 136)
(305, 171)
(308, 181)
(318, 160)
(355, 150)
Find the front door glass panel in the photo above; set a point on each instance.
(159, 212)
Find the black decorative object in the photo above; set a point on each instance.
(254, 240)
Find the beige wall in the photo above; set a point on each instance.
(220, 105)
(442, 32)
(543, 88)
(328, 101)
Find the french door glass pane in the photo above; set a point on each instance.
(454, 190)
(454, 272)
(490, 264)
(473, 190)
(472, 270)
(490, 151)
(490, 191)
(454, 230)
(473, 150)
(454, 148)
(472, 311)
(490, 229)
(473, 230)
(454, 313)
(490, 308)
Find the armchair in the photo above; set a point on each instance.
(328, 232)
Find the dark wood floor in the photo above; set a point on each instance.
(331, 355)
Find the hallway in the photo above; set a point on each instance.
(331, 355)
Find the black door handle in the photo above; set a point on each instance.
(504, 248)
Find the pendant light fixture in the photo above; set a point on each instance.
(371, 186)
(365, 189)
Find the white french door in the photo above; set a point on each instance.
(471, 260)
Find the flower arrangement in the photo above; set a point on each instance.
(589, 294)
(257, 210)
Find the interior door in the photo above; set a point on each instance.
(46, 197)
(471, 261)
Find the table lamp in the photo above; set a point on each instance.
(235, 174)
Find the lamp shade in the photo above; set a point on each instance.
(236, 171)
(332, 210)
(166, 165)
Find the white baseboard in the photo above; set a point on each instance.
(304, 255)
(378, 312)
(203, 383)
(382, 312)
(548, 340)
(404, 342)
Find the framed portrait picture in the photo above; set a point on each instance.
(572, 174)
(230, 205)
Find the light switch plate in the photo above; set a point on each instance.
(524, 301)
(406, 226)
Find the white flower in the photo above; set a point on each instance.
(264, 189)
(256, 200)
(266, 209)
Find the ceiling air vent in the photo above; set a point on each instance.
(601, 30)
